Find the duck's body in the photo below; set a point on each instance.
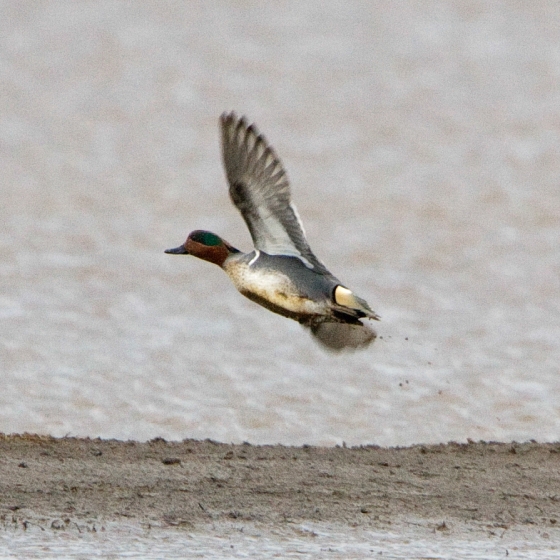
(282, 274)
(282, 284)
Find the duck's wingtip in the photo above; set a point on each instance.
(228, 115)
(232, 117)
(337, 337)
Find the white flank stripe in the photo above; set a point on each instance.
(257, 255)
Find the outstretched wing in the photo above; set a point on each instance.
(259, 188)
(336, 336)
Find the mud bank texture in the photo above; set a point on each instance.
(71, 482)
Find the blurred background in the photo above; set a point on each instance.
(422, 143)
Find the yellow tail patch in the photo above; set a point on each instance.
(343, 296)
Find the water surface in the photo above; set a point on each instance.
(422, 144)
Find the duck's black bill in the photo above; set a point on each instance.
(177, 251)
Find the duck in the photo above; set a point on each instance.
(282, 273)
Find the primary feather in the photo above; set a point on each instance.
(259, 188)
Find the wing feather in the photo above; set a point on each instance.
(259, 188)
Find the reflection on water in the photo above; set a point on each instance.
(422, 146)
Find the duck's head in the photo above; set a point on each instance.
(205, 245)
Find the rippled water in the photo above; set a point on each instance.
(422, 143)
(298, 541)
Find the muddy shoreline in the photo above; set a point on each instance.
(58, 483)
